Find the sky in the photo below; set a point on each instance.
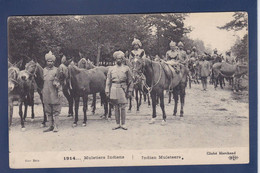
(204, 27)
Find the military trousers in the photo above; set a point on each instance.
(120, 113)
(53, 111)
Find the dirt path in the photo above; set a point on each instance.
(211, 119)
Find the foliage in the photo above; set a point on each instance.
(31, 37)
(239, 22)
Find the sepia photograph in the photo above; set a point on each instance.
(128, 90)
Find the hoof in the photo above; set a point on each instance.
(152, 121)
(109, 119)
(69, 115)
(32, 119)
(102, 117)
(163, 123)
(84, 125)
(74, 125)
(174, 114)
(43, 125)
(23, 129)
(181, 115)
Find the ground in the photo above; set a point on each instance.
(213, 118)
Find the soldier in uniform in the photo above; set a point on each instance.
(172, 54)
(52, 92)
(194, 53)
(182, 54)
(119, 86)
(216, 58)
(204, 71)
(230, 59)
(137, 52)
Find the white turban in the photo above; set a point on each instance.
(63, 59)
(172, 44)
(118, 54)
(136, 41)
(50, 56)
(180, 44)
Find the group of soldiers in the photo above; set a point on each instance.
(119, 84)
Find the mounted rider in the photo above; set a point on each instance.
(172, 56)
(137, 52)
(230, 59)
(216, 57)
(182, 57)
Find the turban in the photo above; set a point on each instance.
(180, 44)
(118, 54)
(194, 48)
(172, 44)
(228, 52)
(50, 56)
(136, 41)
(215, 50)
(63, 59)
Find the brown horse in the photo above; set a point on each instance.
(223, 70)
(20, 88)
(35, 72)
(85, 82)
(159, 78)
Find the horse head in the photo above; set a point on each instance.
(31, 67)
(13, 73)
(62, 74)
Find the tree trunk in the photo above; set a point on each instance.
(98, 55)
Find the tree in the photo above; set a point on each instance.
(239, 22)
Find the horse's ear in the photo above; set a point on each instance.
(19, 64)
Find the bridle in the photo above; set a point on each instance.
(149, 88)
(13, 73)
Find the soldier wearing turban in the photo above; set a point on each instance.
(230, 59)
(119, 86)
(182, 57)
(137, 52)
(172, 54)
(52, 92)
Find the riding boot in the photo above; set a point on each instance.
(51, 126)
(56, 124)
(123, 115)
(117, 115)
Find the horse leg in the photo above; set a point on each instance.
(136, 99)
(154, 102)
(182, 99)
(105, 103)
(110, 110)
(162, 107)
(69, 99)
(43, 107)
(93, 105)
(221, 79)
(25, 111)
(76, 110)
(176, 98)
(85, 103)
(170, 97)
(21, 115)
(140, 99)
(148, 98)
(130, 104)
(32, 118)
(144, 97)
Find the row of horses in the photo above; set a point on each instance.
(81, 79)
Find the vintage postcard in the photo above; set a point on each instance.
(128, 90)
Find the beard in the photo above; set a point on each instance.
(119, 63)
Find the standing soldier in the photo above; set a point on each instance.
(230, 59)
(118, 87)
(182, 54)
(204, 71)
(194, 53)
(137, 52)
(52, 92)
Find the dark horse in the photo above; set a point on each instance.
(139, 88)
(85, 82)
(35, 72)
(159, 78)
(20, 88)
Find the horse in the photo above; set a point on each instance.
(138, 87)
(35, 71)
(20, 88)
(223, 70)
(85, 82)
(159, 78)
(193, 67)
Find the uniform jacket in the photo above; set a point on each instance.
(51, 86)
(119, 83)
(230, 59)
(204, 68)
(172, 55)
(139, 53)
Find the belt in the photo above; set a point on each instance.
(117, 82)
